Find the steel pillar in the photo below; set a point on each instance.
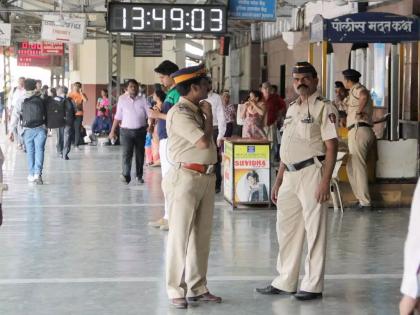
(114, 67)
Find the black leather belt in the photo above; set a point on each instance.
(359, 124)
(298, 166)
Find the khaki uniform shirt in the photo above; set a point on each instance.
(185, 126)
(302, 141)
(353, 106)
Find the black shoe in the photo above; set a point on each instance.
(270, 290)
(307, 296)
(140, 180)
(66, 158)
(360, 207)
(125, 179)
(218, 189)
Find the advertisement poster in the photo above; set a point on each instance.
(252, 173)
(227, 170)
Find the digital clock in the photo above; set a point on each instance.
(166, 18)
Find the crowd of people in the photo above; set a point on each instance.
(181, 127)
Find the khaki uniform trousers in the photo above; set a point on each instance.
(360, 142)
(299, 212)
(191, 203)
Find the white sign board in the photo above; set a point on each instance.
(5, 34)
(57, 29)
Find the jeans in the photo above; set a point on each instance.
(35, 139)
(133, 139)
(64, 136)
(77, 125)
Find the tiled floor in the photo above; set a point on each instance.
(80, 244)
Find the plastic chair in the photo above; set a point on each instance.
(334, 185)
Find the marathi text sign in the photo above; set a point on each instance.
(5, 34)
(261, 10)
(56, 29)
(372, 27)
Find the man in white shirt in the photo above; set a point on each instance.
(410, 286)
(15, 98)
(219, 128)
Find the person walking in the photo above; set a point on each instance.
(32, 113)
(302, 187)
(189, 187)
(164, 70)
(132, 115)
(360, 137)
(79, 98)
(65, 133)
(15, 97)
(219, 129)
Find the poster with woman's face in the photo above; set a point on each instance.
(252, 185)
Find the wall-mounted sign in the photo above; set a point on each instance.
(371, 27)
(260, 10)
(56, 29)
(147, 46)
(5, 34)
(166, 18)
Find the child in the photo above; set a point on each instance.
(148, 149)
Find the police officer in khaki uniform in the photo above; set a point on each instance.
(308, 154)
(189, 187)
(360, 137)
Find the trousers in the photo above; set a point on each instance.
(35, 139)
(132, 141)
(64, 136)
(165, 167)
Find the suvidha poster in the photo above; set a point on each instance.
(252, 173)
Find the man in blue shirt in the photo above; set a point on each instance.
(164, 70)
(102, 124)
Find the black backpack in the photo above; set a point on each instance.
(55, 113)
(33, 112)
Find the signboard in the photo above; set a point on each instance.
(55, 28)
(147, 46)
(260, 10)
(166, 18)
(228, 170)
(5, 34)
(32, 54)
(371, 27)
(252, 173)
(49, 48)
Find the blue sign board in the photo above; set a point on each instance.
(260, 10)
(371, 27)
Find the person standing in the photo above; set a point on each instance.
(230, 114)
(275, 107)
(219, 129)
(302, 187)
(339, 102)
(79, 98)
(65, 133)
(164, 70)
(132, 115)
(410, 286)
(15, 97)
(189, 187)
(32, 112)
(360, 137)
(253, 116)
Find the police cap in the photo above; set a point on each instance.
(189, 73)
(351, 74)
(304, 67)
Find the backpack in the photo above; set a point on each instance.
(55, 113)
(33, 112)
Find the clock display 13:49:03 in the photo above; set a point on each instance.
(166, 18)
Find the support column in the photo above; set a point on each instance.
(7, 81)
(324, 67)
(114, 67)
(394, 92)
(311, 53)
